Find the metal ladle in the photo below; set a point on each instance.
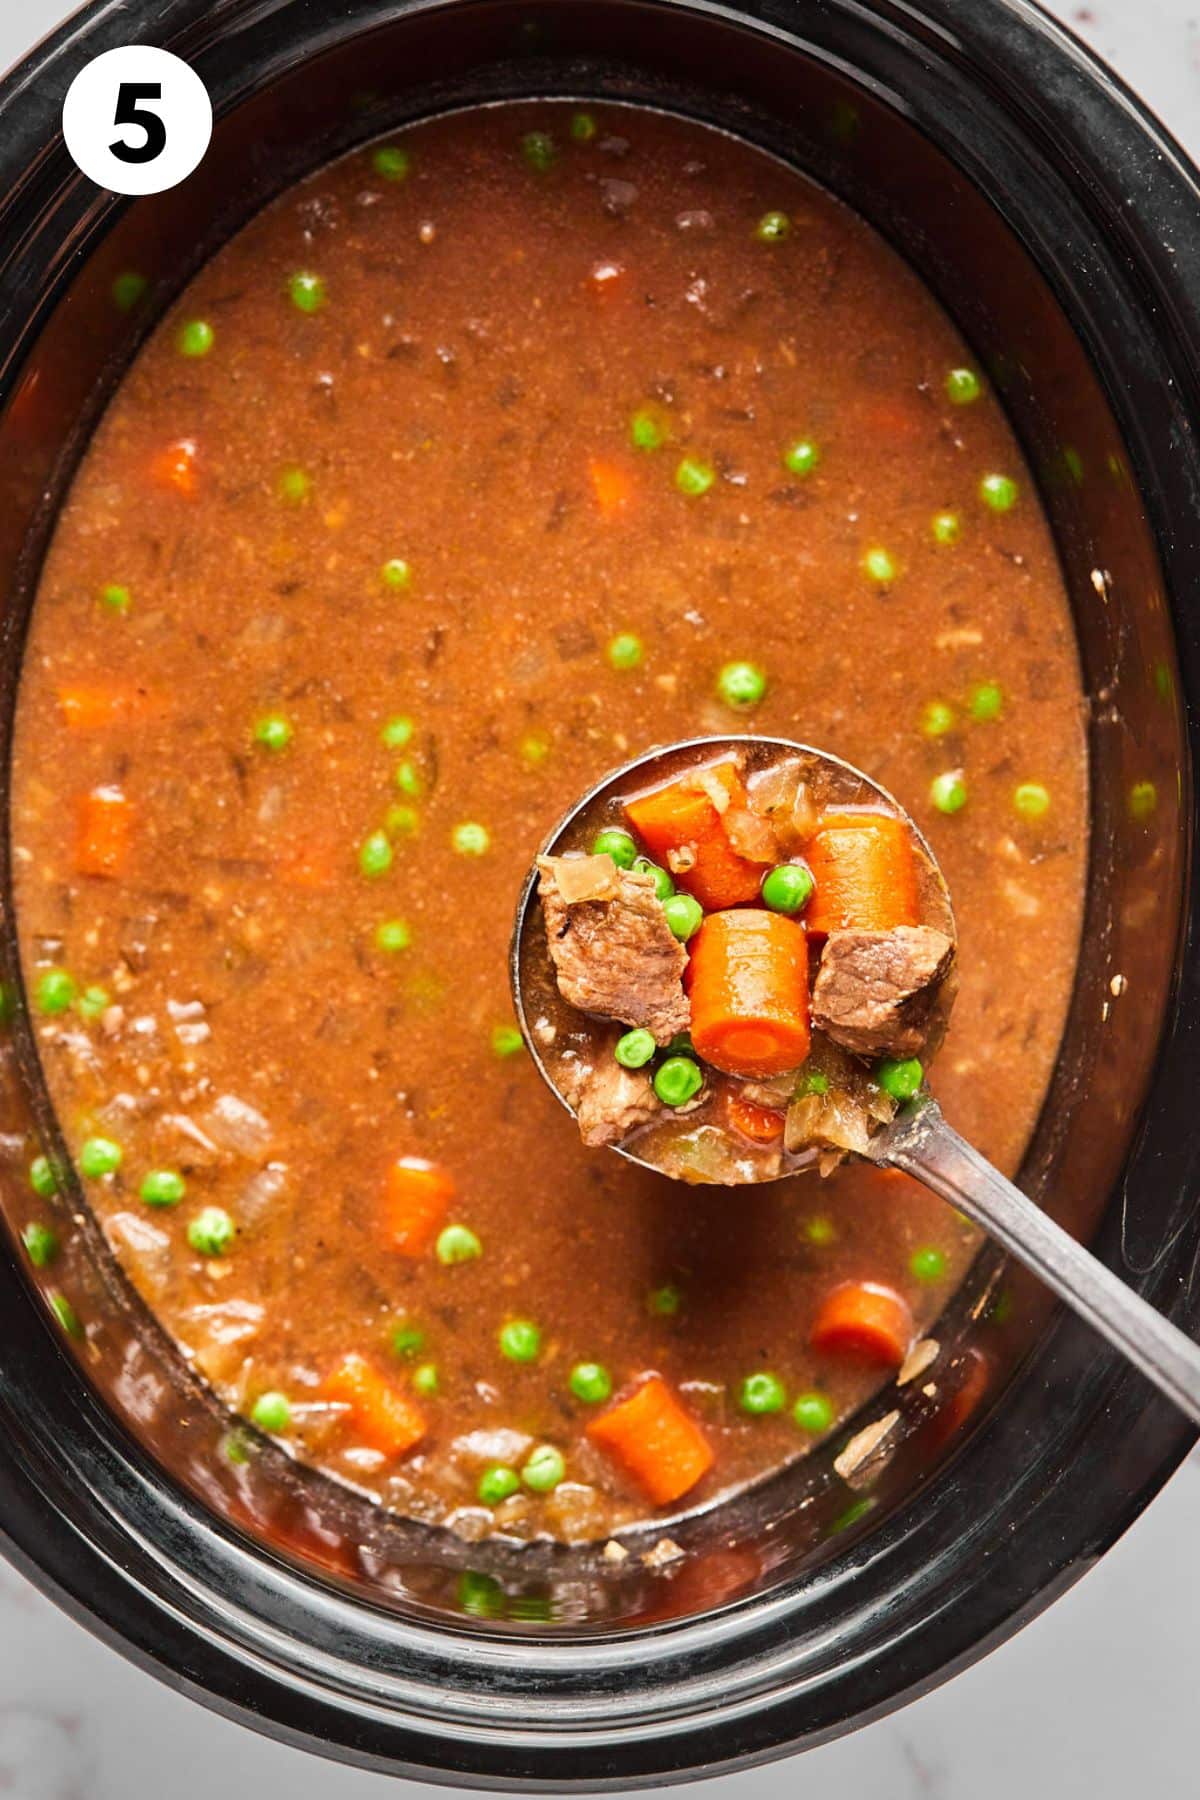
(918, 1140)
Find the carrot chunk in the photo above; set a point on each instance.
(761, 1124)
(974, 1377)
(611, 485)
(748, 982)
(174, 467)
(102, 832)
(657, 1443)
(863, 1321)
(864, 872)
(91, 706)
(382, 1416)
(683, 817)
(415, 1205)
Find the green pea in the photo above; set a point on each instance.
(854, 1513)
(537, 147)
(801, 457)
(535, 748)
(520, 1340)
(741, 685)
(635, 1049)
(645, 432)
(470, 839)
(375, 855)
(407, 1339)
(116, 599)
(963, 386)
(880, 565)
(901, 1077)
(41, 1245)
(392, 163)
(392, 936)
(55, 991)
(544, 1468)
(1143, 801)
(66, 1315)
(480, 1595)
(772, 228)
(272, 1412)
(1032, 800)
(591, 1382)
(273, 732)
(1073, 464)
(401, 820)
(813, 1412)
(615, 843)
(425, 1380)
(928, 1264)
(294, 485)
(664, 887)
(195, 338)
(163, 1187)
(128, 289)
(396, 574)
(820, 1231)
(694, 476)
(664, 1302)
(211, 1232)
(407, 778)
(677, 1080)
(946, 528)
(93, 1003)
(787, 888)
(506, 1041)
(684, 915)
(535, 1609)
(681, 1045)
(1000, 492)
(457, 1244)
(397, 732)
(814, 1082)
(987, 700)
(583, 127)
(937, 718)
(625, 651)
(762, 1393)
(949, 791)
(99, 1156)
(235, 1448)
(43, 1177)
(498, 1482)
(306, 291)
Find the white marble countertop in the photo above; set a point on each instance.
(1093, 1701)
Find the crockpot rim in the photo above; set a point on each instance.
(86, 31)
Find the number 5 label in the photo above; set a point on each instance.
(137, 120)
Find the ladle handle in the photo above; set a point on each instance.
(922, 1144)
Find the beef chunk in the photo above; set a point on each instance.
(614, 953)
(875, 991)
(609, 1101)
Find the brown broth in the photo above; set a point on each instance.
(445, 403)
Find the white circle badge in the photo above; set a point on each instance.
(137, 120)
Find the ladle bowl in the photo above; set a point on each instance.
(526, 949)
